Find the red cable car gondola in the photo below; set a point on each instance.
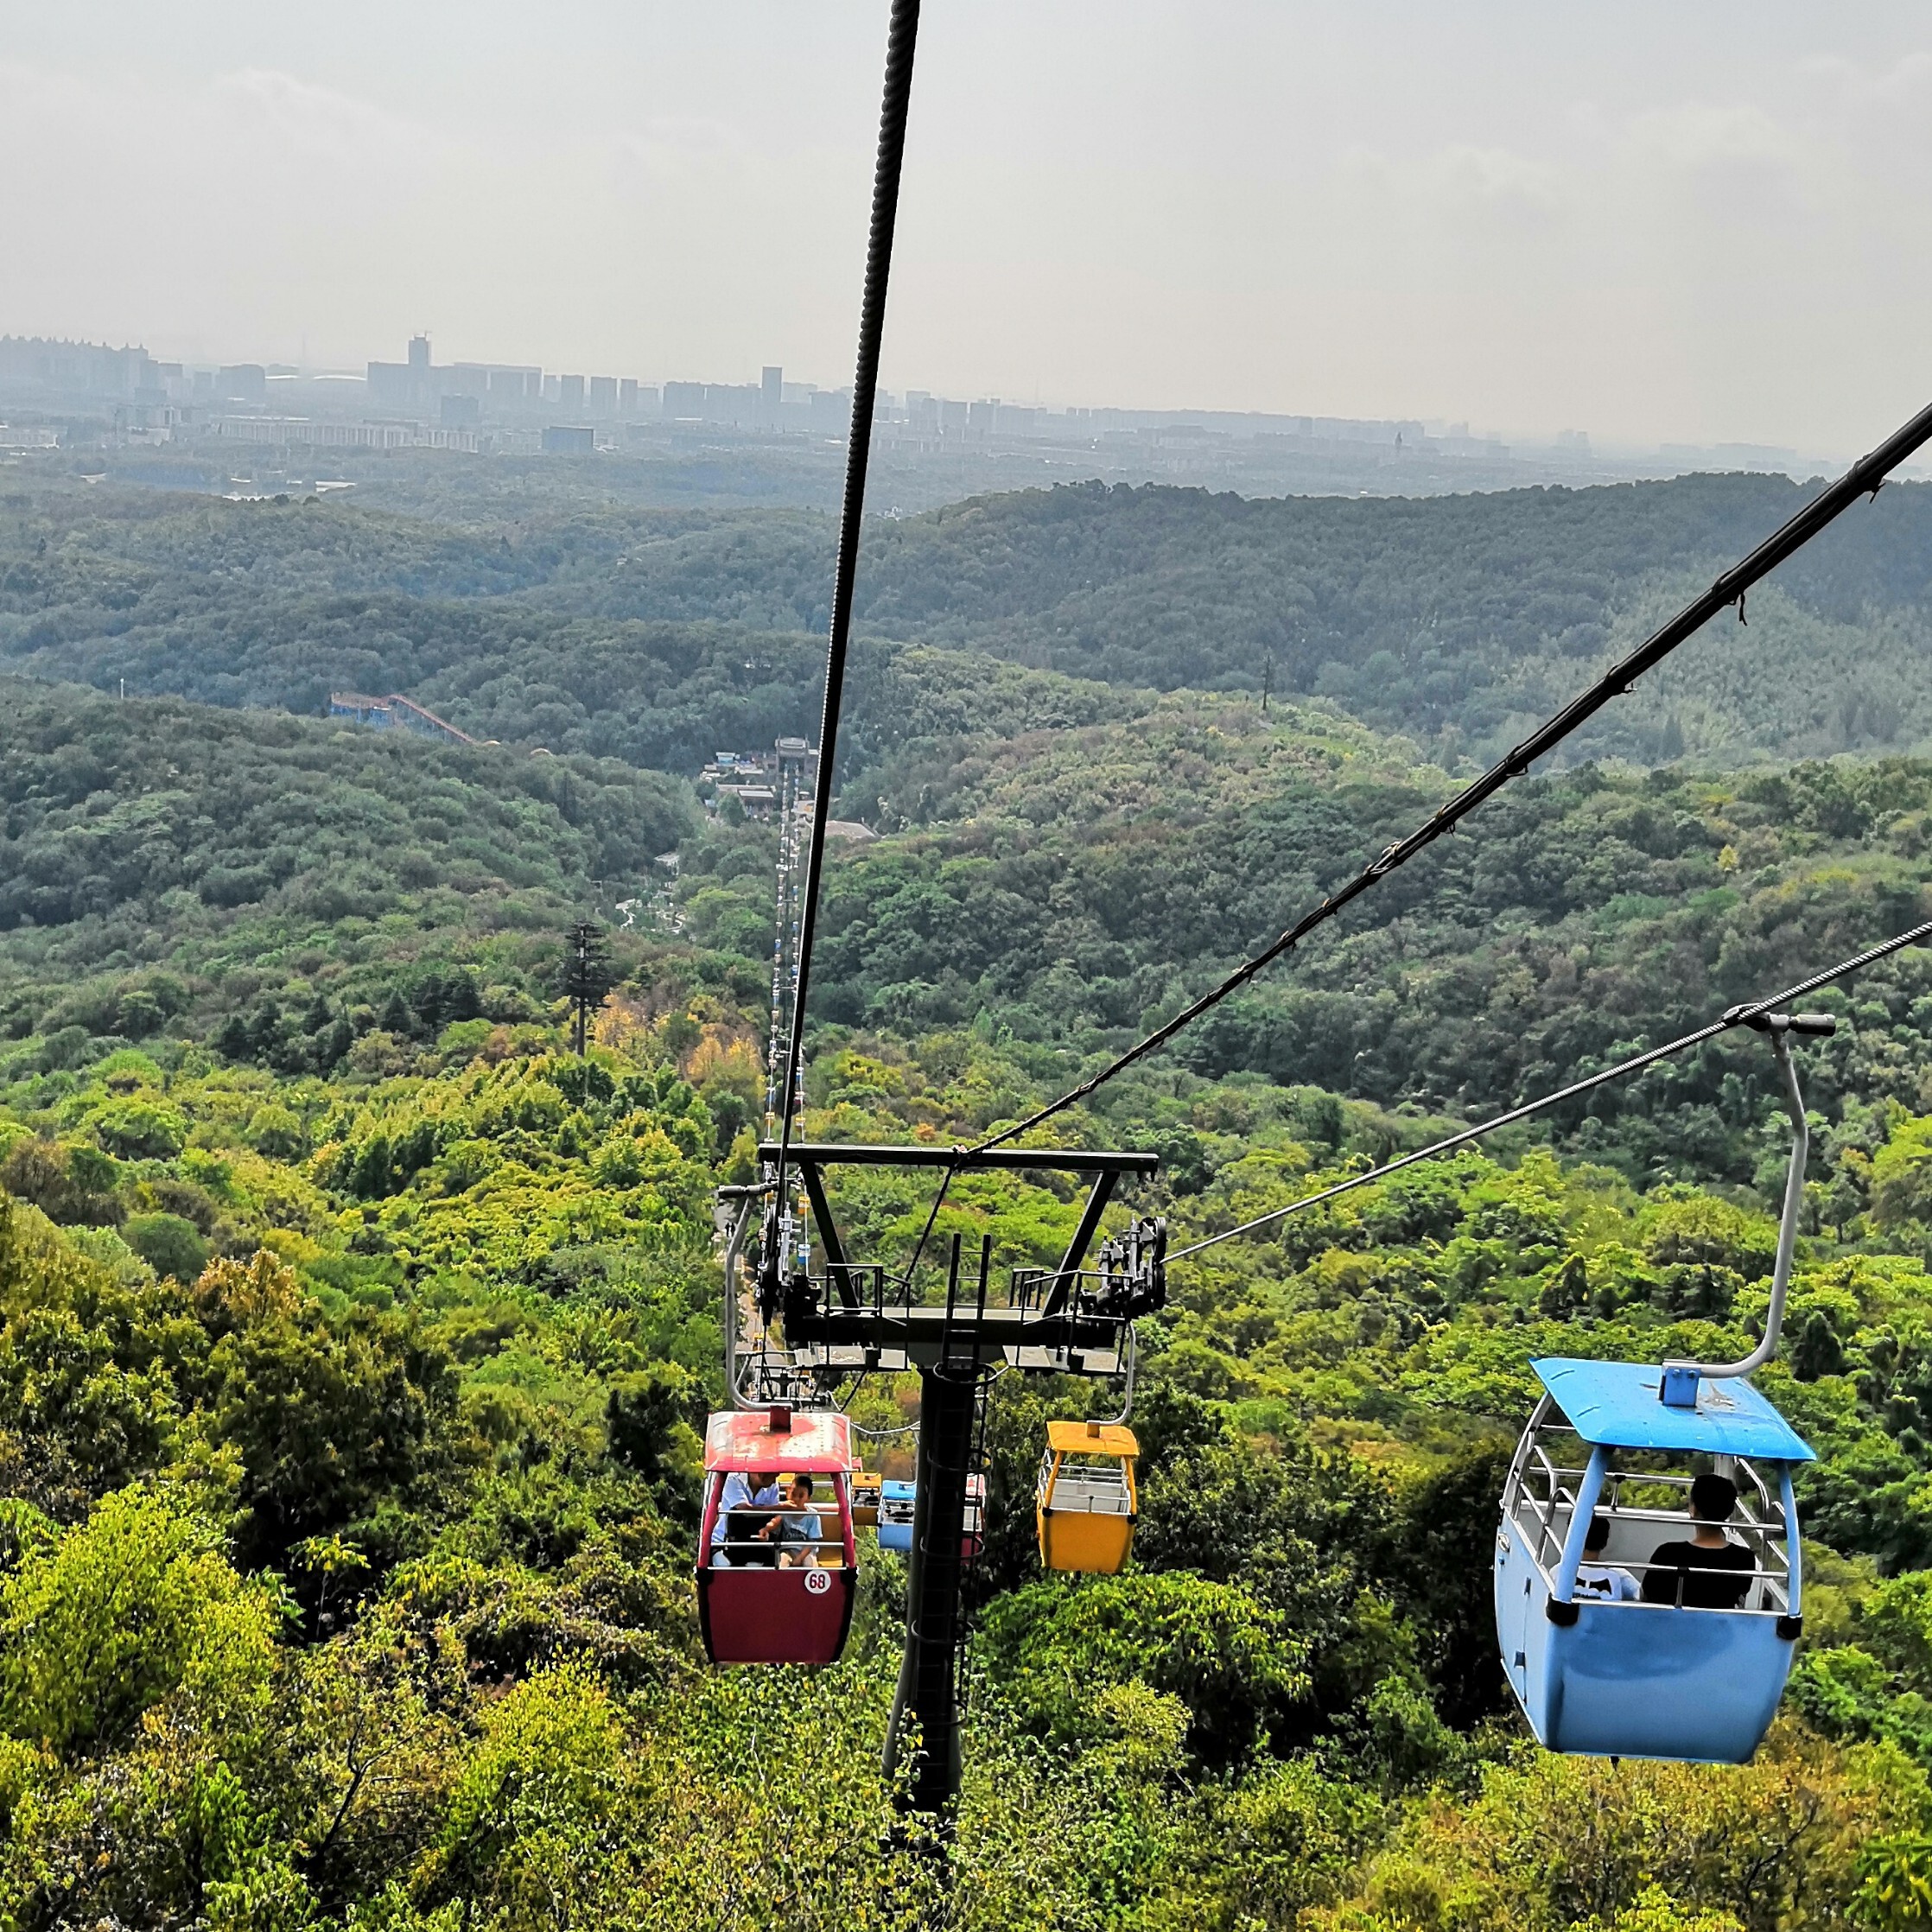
(769, 1591)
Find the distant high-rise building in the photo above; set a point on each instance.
(736, 402)
(628, 396)
(603, 395)
(571, 394)
(244, 382)
(75, 367)
(419, 356)
(683, 400)
(771, 395)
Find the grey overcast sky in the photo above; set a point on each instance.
(1691, 221)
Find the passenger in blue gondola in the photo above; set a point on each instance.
(799, 1532)
(742, 1533)
(1708, 1571)
(1607, 1581)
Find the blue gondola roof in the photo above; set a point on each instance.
(1616, 1403)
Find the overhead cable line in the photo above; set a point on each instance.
(1867, 475)
(1736, 1016)
(901, 38)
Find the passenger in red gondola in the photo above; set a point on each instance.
(780, 1587)
(742, 1532)
(799, 1532)
(1680, 1573)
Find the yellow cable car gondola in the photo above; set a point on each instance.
(1086, 1502)
(864, 1498)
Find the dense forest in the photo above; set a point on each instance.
(660, 635)
(355, 1337)
(1061, 887)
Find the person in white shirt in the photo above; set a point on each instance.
(1605, 1582)
(740, 1492)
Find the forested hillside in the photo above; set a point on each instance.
(361, 1403)
(355, 1336)
(1078, 887)
(1064, 885)
(181, 863)
(658, 636)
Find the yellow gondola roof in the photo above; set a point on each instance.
(1091, 1438)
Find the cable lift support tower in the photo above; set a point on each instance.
(819, 1331)
(793, 755)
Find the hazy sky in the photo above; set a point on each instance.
(1686, 221)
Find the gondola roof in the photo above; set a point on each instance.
(1091, 1438)
(1617, 1405)
(817, 1441)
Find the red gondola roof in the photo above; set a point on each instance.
(818, 1440)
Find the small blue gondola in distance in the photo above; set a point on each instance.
(896, 1503)
(1641, 1680)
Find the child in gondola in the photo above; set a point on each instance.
(799, 1530)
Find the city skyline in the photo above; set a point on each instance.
(1702, 227)
(388, 388)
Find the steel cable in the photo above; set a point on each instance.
(901, 39)
(1736, 1016)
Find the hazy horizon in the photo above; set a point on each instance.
(1700, 230)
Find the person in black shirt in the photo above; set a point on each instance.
(1694, 1574)
(1607, 1581)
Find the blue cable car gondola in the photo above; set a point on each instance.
(1619, 1637)
(1638, 1679)
(898, 1501)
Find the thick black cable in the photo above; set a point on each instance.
(1736, 1016)
(901, 38)
(1867, 475)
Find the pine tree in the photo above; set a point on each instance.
(587, 978)
(429, 1003)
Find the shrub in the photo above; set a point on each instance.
(132, 1606)
(1228, 1656)
(139, 1128)
(168, 1244)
